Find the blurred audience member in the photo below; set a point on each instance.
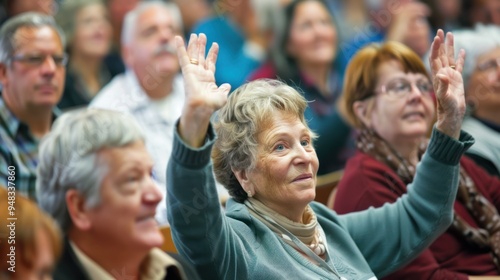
(390, 99)
(88, 34)
(476, 12)
(32, 61)
(33, 239)
(493, 7)
(351, 16)
(244, 31)
(117, 10)
(193, 11)
(304, 57)
(95, 180)
(403, 21)
(445, 14)
(16, 7)
(152, 89)
(482, 90)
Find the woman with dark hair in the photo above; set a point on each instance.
(304, 57)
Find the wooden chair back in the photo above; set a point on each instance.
(326, 187)
(168, 243)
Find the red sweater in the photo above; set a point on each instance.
(366, 183)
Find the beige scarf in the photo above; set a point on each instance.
(309, 232)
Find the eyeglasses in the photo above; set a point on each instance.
(400, 88)
(489, 65)
(39, 59)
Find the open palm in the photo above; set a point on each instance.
(203, 96)
(448, 83)
(199, 74)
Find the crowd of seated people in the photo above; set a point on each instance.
(214, 118)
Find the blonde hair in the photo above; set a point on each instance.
(249, 109)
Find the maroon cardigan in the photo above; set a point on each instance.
(367, 182)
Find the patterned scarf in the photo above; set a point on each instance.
(486, 237)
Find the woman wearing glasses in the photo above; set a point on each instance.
(389, 97)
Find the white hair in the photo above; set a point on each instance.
(130, 21)
(476, 42)
(68, 157)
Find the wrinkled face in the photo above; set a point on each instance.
(125, 218)
(313, 37)
(285, 172)
(151, 53)
(403, 106)
(92, 31)
(484, 83)
(35, 78)
(43, 261)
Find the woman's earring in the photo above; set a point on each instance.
(249, 193)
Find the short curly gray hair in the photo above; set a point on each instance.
(248, 110)
(68, 157)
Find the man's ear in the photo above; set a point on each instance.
(77, 210)
(242, 177)
(362, 112)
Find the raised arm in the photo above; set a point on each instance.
(201, 232)
(394, 234)
(446, 72)
(203, 96)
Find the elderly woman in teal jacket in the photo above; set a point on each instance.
(262, 152)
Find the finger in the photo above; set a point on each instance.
(192, 48)
(434, 57)
(202, 43)
(460, 61)
(442, 49)
(181, 51)
(450, 51)
(212, 57)
(224, 88)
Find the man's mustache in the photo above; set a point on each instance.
(165, 48)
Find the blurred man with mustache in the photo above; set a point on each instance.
(151, 89)
(32, 73)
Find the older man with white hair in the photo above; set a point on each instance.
(94, 178)
(151, 89)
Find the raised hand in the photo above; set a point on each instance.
(448, 84)
(203, 96)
